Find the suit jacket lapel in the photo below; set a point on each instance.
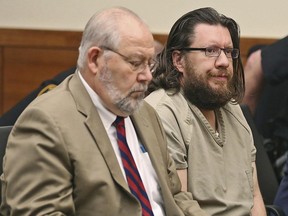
(96, 128)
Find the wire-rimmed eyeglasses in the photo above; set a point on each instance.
(215, 51)
(136, 65)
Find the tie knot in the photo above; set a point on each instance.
(119, 121)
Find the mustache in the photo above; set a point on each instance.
(221, 73)
(139, 88)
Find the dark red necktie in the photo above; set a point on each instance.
(132, 175)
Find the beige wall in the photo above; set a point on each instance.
(257, 18)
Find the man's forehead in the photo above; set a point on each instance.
(211, 33)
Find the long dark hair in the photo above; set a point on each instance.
(181, 35)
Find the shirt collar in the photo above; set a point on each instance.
(106, 116)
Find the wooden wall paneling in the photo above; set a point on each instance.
(40, 38)
(162, 38)
(1, 81)
(25, 69)
(32, 56)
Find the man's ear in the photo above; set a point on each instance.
(93, 58)
(178, 60)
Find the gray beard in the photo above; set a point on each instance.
(125, 103)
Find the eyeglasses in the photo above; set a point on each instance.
(215, 51)
(136, 65)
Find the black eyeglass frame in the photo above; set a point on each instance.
(206, 49)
